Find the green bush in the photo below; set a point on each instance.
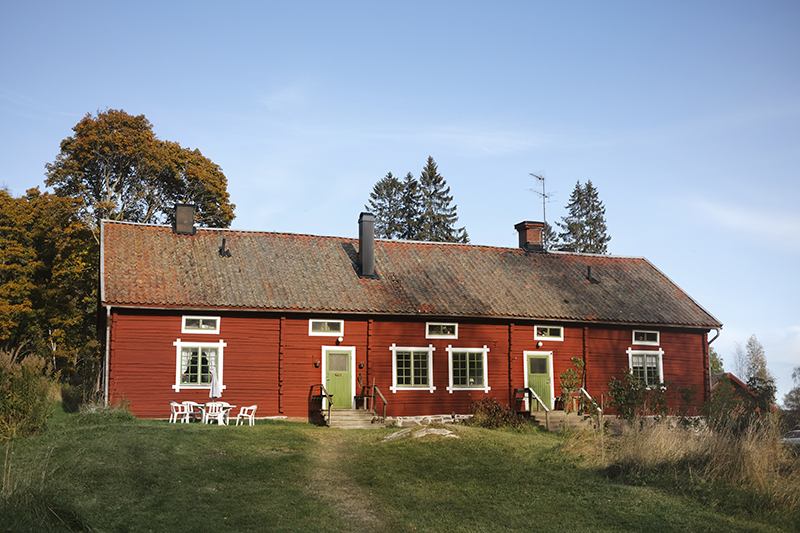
(489, 413)
(98, 414)
(27, 390)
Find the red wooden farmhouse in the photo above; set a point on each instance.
(434, 326)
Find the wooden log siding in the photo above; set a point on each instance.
(607, 356)
(269, 359)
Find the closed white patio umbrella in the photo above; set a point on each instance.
(216, 390)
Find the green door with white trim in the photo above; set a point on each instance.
(538, 368)
(338, 379)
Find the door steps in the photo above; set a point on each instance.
(353, 419)
(560, 420)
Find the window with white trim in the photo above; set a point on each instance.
(200, 324)
(641, 336)
(468, 369)
(439, 330)
(412, 368)
(196, 362)
(327, 328)
(548, 333)
(647, 366)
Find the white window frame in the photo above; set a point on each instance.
(179, 345)
(325, 333)
(659, 353)
(484, 351)
(657, 342)
(201, 331)
(429, 335)
(538, 337)
(430, 386)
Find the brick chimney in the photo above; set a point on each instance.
(184, 220)
(531, 236)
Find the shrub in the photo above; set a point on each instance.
(489, 413)
(27, 393)
(743, 470)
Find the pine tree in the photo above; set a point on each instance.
(715, 361)
(386, 203)
(410, 208)
(584, 229)
(438, 216)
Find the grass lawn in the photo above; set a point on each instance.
(146, 475)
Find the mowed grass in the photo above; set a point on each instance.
(146, 475)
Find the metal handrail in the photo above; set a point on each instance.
(532, 393)
(583, 391)
(385, 403)
(324, 394)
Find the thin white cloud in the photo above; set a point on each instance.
(781, 229)
(289, 97)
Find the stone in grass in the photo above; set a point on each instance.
(417, 432)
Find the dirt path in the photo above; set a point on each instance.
(332, 485)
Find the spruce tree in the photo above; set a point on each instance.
(584, 229)
(437, 214)
(386, 203)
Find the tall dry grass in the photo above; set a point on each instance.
(750, 459)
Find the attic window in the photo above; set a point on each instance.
(329, 328)
(645, 337)
(437, 330)
(549, 333)
(200, 324)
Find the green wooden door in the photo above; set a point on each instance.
(538, 367)
(338, 379)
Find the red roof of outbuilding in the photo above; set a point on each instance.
(145, 265)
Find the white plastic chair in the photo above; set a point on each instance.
(193, 411)
(248, 413)
(178, 410)
(216, 411)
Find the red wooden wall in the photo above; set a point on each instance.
(269, 359)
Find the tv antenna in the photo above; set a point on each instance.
(543, 195)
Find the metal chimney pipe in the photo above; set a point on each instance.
(366, 245)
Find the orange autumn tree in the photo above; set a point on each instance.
(48, 284)
(118, 169)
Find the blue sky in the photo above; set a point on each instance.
(685, 116)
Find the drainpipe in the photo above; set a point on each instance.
(106, 356)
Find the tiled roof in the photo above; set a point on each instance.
(145, 265)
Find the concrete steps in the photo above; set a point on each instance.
(353, 419)
(559, 420)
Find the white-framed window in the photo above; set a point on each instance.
(647, 366)
(325, 327)
(200, 324)
(196, 362)
(548, 333)
(441, 330)
(468, 369)
(641, 336)
(412, 368)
